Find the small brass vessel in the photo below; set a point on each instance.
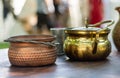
(88, 43)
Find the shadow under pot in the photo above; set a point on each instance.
(32, 50)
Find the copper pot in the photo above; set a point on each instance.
(32, 50)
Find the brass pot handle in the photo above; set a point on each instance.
(95, 44)
(95, 47)
(97, 35)
(99, 23)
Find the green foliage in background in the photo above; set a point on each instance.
(4, 45)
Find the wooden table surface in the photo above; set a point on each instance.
(63, 68)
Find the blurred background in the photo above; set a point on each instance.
(21, 17)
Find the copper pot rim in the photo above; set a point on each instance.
(32, 38)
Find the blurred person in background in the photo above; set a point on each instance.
(9, 23)
(45, 9)
(78, 11)
(26, 12)
(17, 17)
(96, 11)
(57, 12)
(61, 13)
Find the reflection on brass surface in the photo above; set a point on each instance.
(87, 43)
(83, 50)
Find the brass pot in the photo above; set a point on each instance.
(87, 43)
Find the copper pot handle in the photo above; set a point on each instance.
(53, 43)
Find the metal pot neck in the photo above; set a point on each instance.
(86, 31)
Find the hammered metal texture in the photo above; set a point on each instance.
(30, 54)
